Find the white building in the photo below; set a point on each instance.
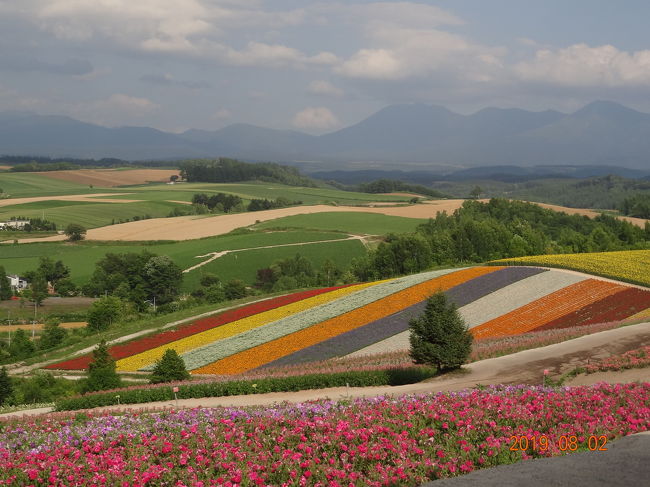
(17, 283)
(14, 224)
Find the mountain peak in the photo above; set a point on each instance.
(608, 109)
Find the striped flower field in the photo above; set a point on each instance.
(373, 318)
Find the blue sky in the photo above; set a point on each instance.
(314, 66)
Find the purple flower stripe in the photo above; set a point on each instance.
(378, 330)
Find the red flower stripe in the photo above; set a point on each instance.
(182, 331)
(613, 308)
(551, 307)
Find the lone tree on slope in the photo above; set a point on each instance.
(75, 232)
(440, 336)
(170, 367)
(101, 371)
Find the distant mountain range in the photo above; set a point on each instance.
(410, 136)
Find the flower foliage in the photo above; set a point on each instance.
(373, 442)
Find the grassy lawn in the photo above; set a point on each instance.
(81, 257)
(368, 223)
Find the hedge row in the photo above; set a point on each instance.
(392, 377)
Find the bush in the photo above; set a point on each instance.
(104, 312)
(169, 368)
(392, 376)
(6, 388)
(440, 336)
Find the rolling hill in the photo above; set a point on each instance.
(373, 317)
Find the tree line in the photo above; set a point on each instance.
(225, 170)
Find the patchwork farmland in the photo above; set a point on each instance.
(373, 317)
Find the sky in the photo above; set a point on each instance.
(315, 66)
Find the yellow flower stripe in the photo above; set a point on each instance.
(140, 360)
(628, 265)
(273, 350)
(641, 315)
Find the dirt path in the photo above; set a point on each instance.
(215, 255)
(519, 368)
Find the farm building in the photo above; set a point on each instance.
(14, 224)
(17, 283)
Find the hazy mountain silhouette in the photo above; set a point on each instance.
(601, 133)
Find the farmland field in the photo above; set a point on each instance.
(81, 258)
(86, 213)
(375, 224)
(373, 318)
(22, 185)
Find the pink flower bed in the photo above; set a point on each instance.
(370, 442)
(637, 358)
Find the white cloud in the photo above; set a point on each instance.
(402, 53)
(582, 65)
(270, 55)
(324, 88)
(315, 118)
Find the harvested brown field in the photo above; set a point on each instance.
(5, 167)
(193, 227)
(90, 198)
(39, 326)
(108, 178)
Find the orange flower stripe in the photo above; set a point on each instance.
(148, 357)
(273, 350)
(548, 308)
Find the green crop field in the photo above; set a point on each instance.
(27, 185)
(368, 223)
(184, 192)
(81, 258)
(90, 215)
(243, 265)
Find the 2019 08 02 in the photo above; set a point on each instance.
(562, 443)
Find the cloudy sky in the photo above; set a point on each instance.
(315, 66)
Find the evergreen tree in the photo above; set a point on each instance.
(6, 387)
(101, 371)
(440, 336)
(170, 367)
(5, 285)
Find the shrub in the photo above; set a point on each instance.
(6, 388)
(391, 376)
